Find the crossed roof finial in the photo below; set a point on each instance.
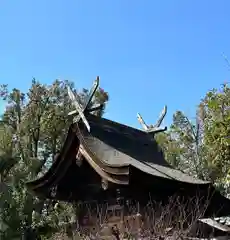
(156, 127)
(82, 108)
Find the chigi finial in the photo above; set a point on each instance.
(156, 127)
(82, 108)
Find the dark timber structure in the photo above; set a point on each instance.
(102, 160)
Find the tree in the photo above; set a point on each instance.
(33, 128)
(202, 148)
(183, 145)
(215, 118)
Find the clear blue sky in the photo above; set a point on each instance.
(148, 53)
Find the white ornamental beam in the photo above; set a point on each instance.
(80, 110)
(156, 127)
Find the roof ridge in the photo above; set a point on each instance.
(117, 124)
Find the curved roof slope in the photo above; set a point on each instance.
(111, 149)
(118, 137)
(59, 166)
(118, 145)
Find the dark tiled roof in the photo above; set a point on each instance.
(133, 142)
(112, 149)
(119, 145)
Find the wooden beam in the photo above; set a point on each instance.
(104, 184)
(153, 129)
(79, 158)
(99, 170)
(80, 109)
(95, 108)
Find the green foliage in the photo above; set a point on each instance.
(215, 112)
(202, 147)
(32, 130)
